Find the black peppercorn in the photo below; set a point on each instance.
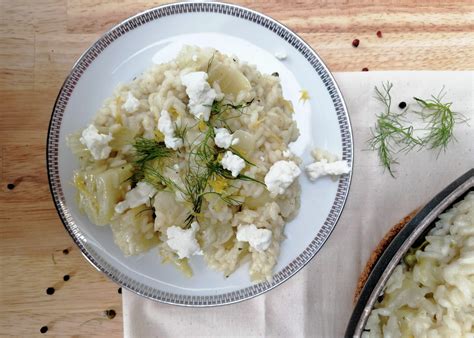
(10, 186)
(50, 291)
(110, 313)
(355, 43)
(402, 105)
(44, 329)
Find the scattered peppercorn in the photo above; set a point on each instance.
(50, 291)
(44, 329)
(65, 251)
(402, 105)
(365, 69)
(275, 74)
(379, 34)
(10, 186)
(119, 290)
(355, 43)
(66, 278)
(110, 313)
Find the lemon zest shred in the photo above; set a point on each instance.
(304, 95)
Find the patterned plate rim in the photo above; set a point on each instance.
(52, 154)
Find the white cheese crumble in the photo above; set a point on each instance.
(139, 195)
(131, 104)
(258, 239)
(224, 139)
(233, 163)
(280, 176)
(201, 95)
(318, 154)
(286, 153)
(194, 57)
(183, 241)
(96, 143)
(167, 128)
(281, 56)
(323, 167)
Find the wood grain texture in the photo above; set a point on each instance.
(39, 42)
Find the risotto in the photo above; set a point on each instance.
(192, 158)
(431, 293)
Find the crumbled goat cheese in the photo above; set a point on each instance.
(194, 58)
(96, 143)
(318, 154)
(258, 239)
(131, 104)
(233, 163)
(167, 128)
(323, 167)
(286, 153)
(139, 195)
(201, 95)
(224, 139)
(184, 242)
(281, 56)
(280, 176)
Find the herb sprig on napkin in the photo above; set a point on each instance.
(394, 132)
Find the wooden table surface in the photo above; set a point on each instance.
(39, 42)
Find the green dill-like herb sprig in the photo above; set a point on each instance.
(236, 152)
(215, 168)
(203, 150)
(180, 131)
(203, 164)
(390, 136)
(148, 150)
(153, 176)
(195, 184)
(220, 108)
(440, 120)
(393, 133)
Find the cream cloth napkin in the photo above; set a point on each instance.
(317, 302)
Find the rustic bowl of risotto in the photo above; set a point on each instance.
(421, 285)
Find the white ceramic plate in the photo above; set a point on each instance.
(156, 36)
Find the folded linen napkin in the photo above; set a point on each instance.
(317, 302)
